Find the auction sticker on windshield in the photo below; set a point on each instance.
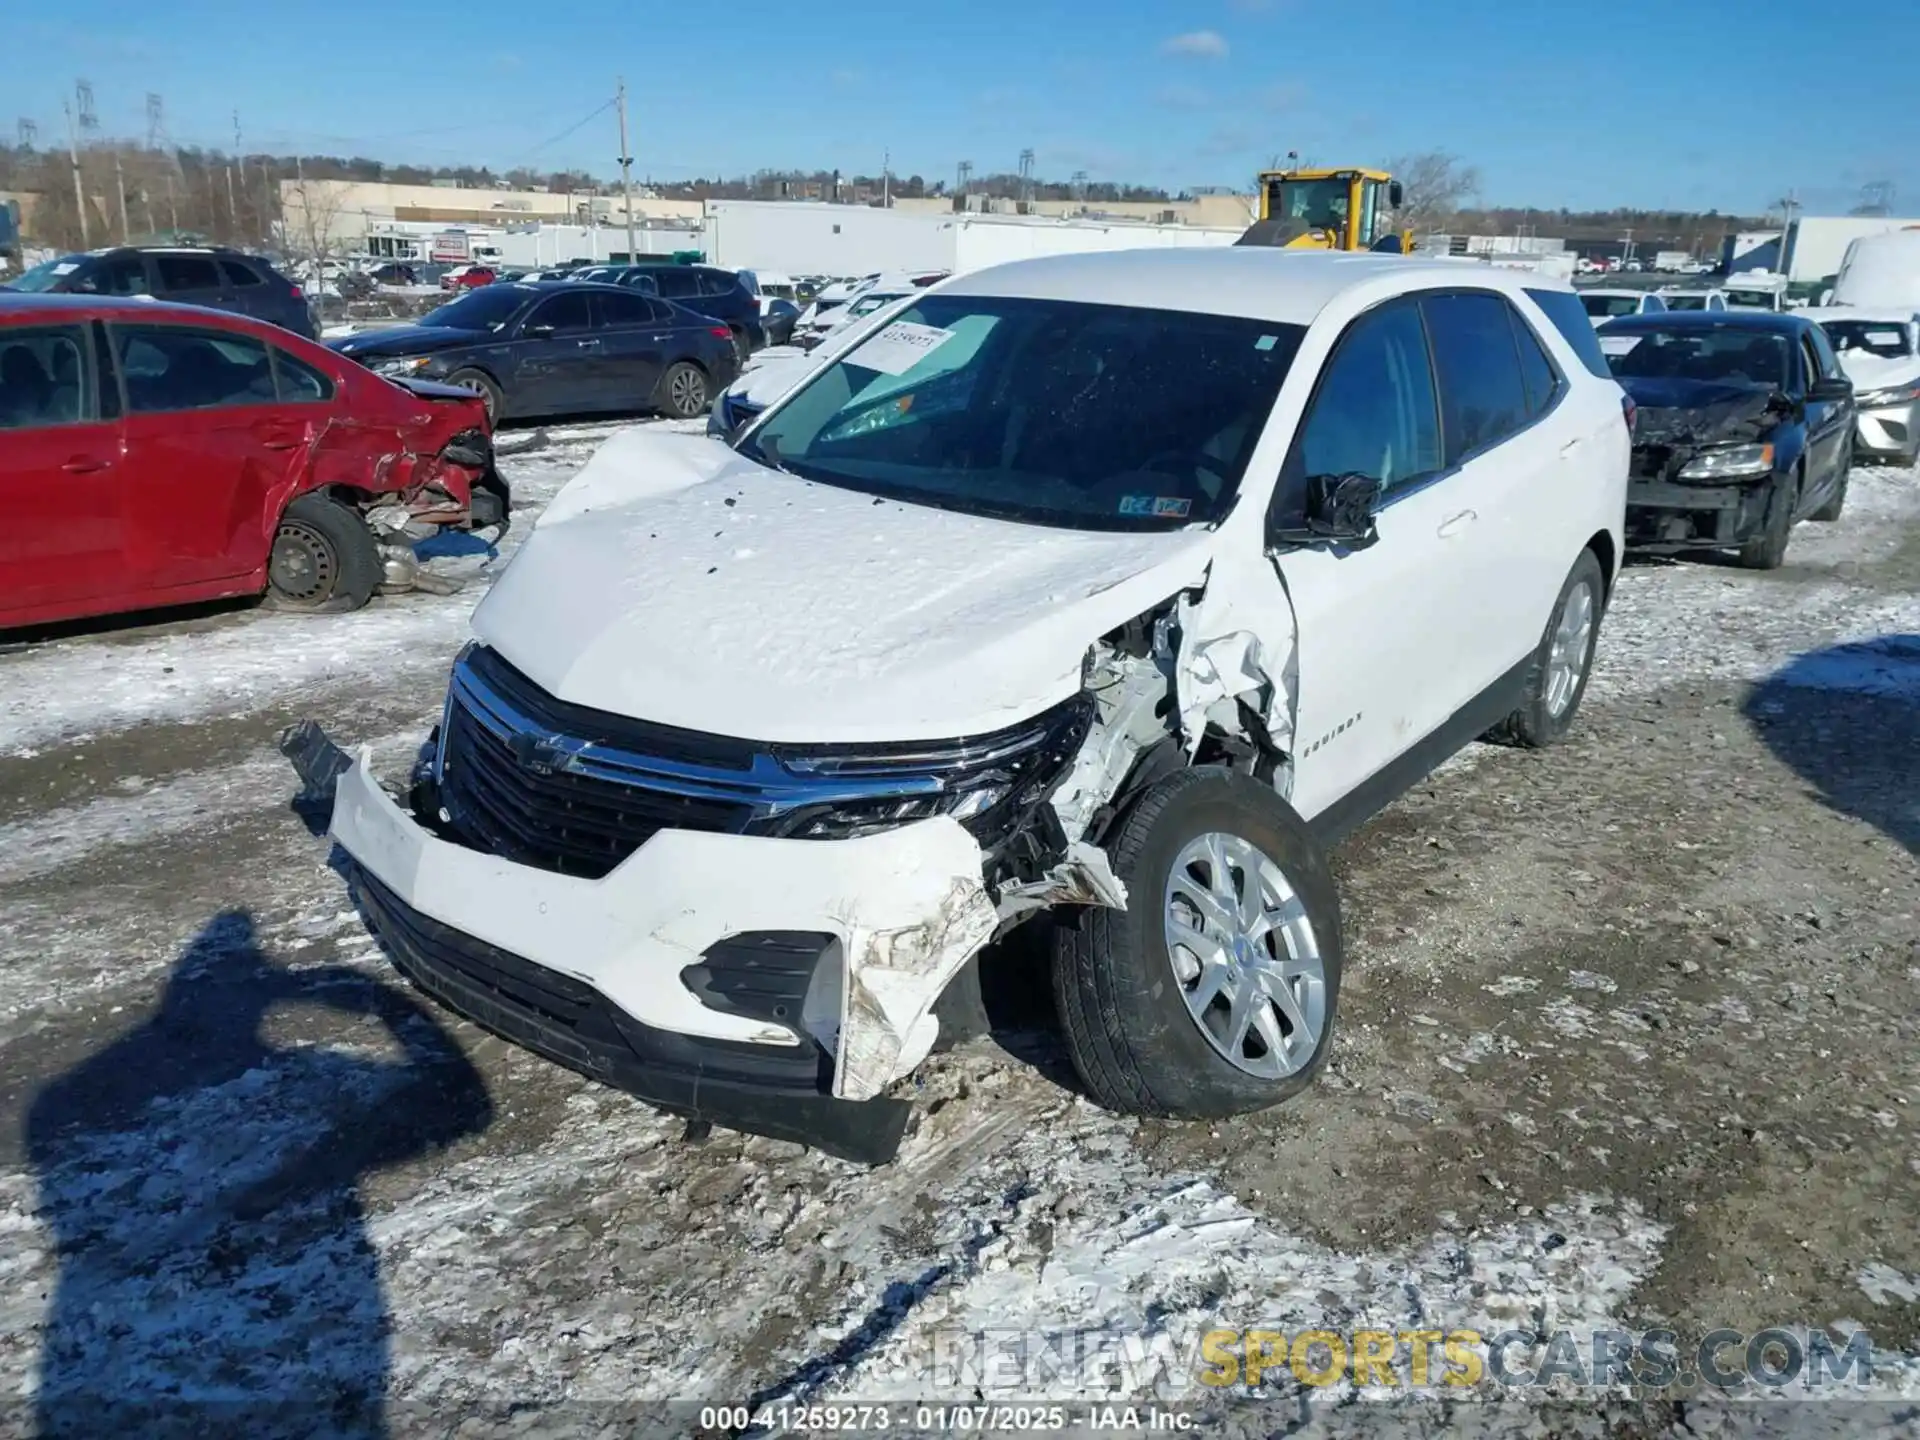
(899, 347)
(1618, 344)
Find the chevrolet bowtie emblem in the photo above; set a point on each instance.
(538, 754)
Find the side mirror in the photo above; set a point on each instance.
(1396, 194)
(1339, 511)
(1834, 388)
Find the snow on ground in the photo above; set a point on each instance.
(264, 1208)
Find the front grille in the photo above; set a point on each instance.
(570, 823)
(561, 787)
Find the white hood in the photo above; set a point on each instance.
(676, 581)
(1871, 372)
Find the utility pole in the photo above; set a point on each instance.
(626, 168)
(79, 190)
(120, 184)
(886, 179)
(173, 209)
(233, 210)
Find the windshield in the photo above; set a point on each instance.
(46, 275)
(1883, 338)
(1750, 299)
(1090, 417)
(1319, 204)
(1610, 305)
(1722, 357)
(1685, 302)
(489, 308)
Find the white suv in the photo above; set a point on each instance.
(1121, 584)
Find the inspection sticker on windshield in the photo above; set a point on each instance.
(1618, 344)
(900, 347)
(1163, 507)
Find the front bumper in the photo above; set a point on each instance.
(1665, 516)
(898, 914)
(1887, 432)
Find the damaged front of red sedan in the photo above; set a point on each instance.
(155, 455)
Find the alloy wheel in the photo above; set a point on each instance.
(1245, 955)
(1570, 650)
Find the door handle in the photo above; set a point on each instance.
(1570, 447)
(660, 339)
(280, 440)
(587, 344)
(1454, 524)
(84, 465)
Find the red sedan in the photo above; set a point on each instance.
(156, 454)
(468, 277)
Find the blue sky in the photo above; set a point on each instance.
(1688, 103)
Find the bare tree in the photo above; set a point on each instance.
(1434, 186)
(310, 222)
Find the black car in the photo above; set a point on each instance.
(559, 348)
(217, 278)
(1743, 425)
(780, 318)
(394, 273)
(708, 290)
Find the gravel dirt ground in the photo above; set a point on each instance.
(1628, 1038)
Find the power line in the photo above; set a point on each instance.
(578, 124)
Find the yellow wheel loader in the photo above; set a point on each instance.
(1336, 209)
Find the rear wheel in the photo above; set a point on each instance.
(482, 384)
(683, 391)
(1214, 991)
(324, 558)
(1768, 550)
(1557, 679)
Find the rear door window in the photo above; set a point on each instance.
(717, 282)
(1569, 317)
(169, 368)
(622, 311)
(186, 272)
(1374, 412)
(239, 275)
(45, 379)
(1536, 366)
(296, 380)
(1482, 396)
(676, 283)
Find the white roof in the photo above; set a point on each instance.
(1258, 282)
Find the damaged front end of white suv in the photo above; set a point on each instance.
(756, 932)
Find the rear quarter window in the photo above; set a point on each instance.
(1569, 317)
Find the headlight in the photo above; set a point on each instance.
(1729, 463)
(1892, 395)
(410, 365)
(986, 783)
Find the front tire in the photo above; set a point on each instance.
(483, 385)
(1557, 678)
(1214, 991)
(1768, 550)
(324, 559)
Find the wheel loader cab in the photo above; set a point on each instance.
(1328, 210)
